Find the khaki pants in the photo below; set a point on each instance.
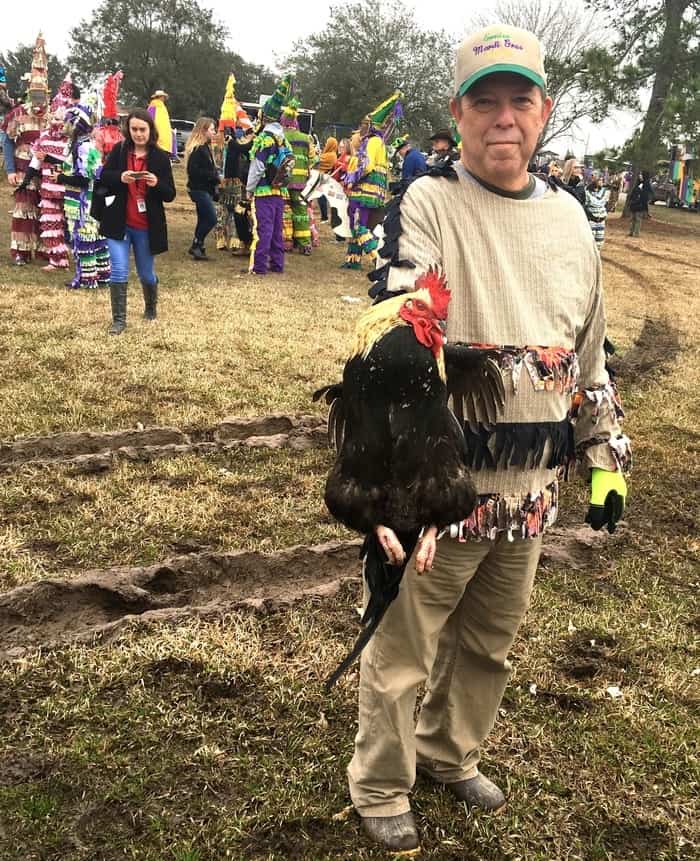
(453, 625)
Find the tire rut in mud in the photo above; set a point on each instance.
(93, 451)
(97, 605)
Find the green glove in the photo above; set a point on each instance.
(608, 495)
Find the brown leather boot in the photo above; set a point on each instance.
(397, 834)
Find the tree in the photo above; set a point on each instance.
(366, 52)
(175, 45)
(576, 70)
(656, 47)
(19, 62)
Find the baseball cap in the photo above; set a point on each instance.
(499, 48)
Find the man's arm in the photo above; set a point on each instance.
(597, 411)
(411, 238)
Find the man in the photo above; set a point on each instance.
(413, 162)
(304, 151)
(444, 145)
(490, 226)
(271, 162)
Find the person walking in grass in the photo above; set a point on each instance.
(596, 210)
(203, 182)
(640, 195)
(138, 180)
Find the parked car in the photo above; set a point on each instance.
(665, 191)
(182, 129)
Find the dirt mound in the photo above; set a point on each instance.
(94, 451)
(208, 584)
(97, 603)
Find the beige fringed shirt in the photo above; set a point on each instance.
(525, 277)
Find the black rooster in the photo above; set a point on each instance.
(401, 452)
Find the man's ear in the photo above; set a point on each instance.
(456, 108)
(547, 106)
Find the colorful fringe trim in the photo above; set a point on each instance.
(515, 516)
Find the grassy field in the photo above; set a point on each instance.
(211, 740)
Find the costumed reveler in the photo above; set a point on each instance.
(304, 152)
(108, 134)
(23, 126)
(90, 250)
(50, 152)
(271, 161)
(159, 111)
(366, 181)
(233, 231)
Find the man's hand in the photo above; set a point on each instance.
(608, 495)
(391, 545)
(12, 178)
(426, 550)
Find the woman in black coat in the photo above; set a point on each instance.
(202, 182)
(138, 180)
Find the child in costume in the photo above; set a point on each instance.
(92, 267)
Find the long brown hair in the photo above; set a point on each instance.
(143, 115)
(198, 136)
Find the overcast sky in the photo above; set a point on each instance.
(267, 41)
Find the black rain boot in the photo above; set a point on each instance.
(150, 300)
(198, 251)
(117, 295)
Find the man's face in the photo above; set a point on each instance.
(500, 120)
(441, 146)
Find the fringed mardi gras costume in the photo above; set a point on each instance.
(561, 409)
(108, 134)
(23, 125)
(271, 162)
(53, 141)
(296, 211)
(233, 226)
(367, 180)
(92, 267)
(161, 118)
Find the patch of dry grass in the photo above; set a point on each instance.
(52, 521)
(225, 344)
(209, 741)
(216, 739)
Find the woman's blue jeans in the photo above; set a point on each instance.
(119, 257)
(206, 214)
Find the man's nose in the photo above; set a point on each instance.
(505, 116)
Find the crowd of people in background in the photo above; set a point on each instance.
(90, 186)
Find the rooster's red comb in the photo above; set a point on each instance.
(435, 282)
